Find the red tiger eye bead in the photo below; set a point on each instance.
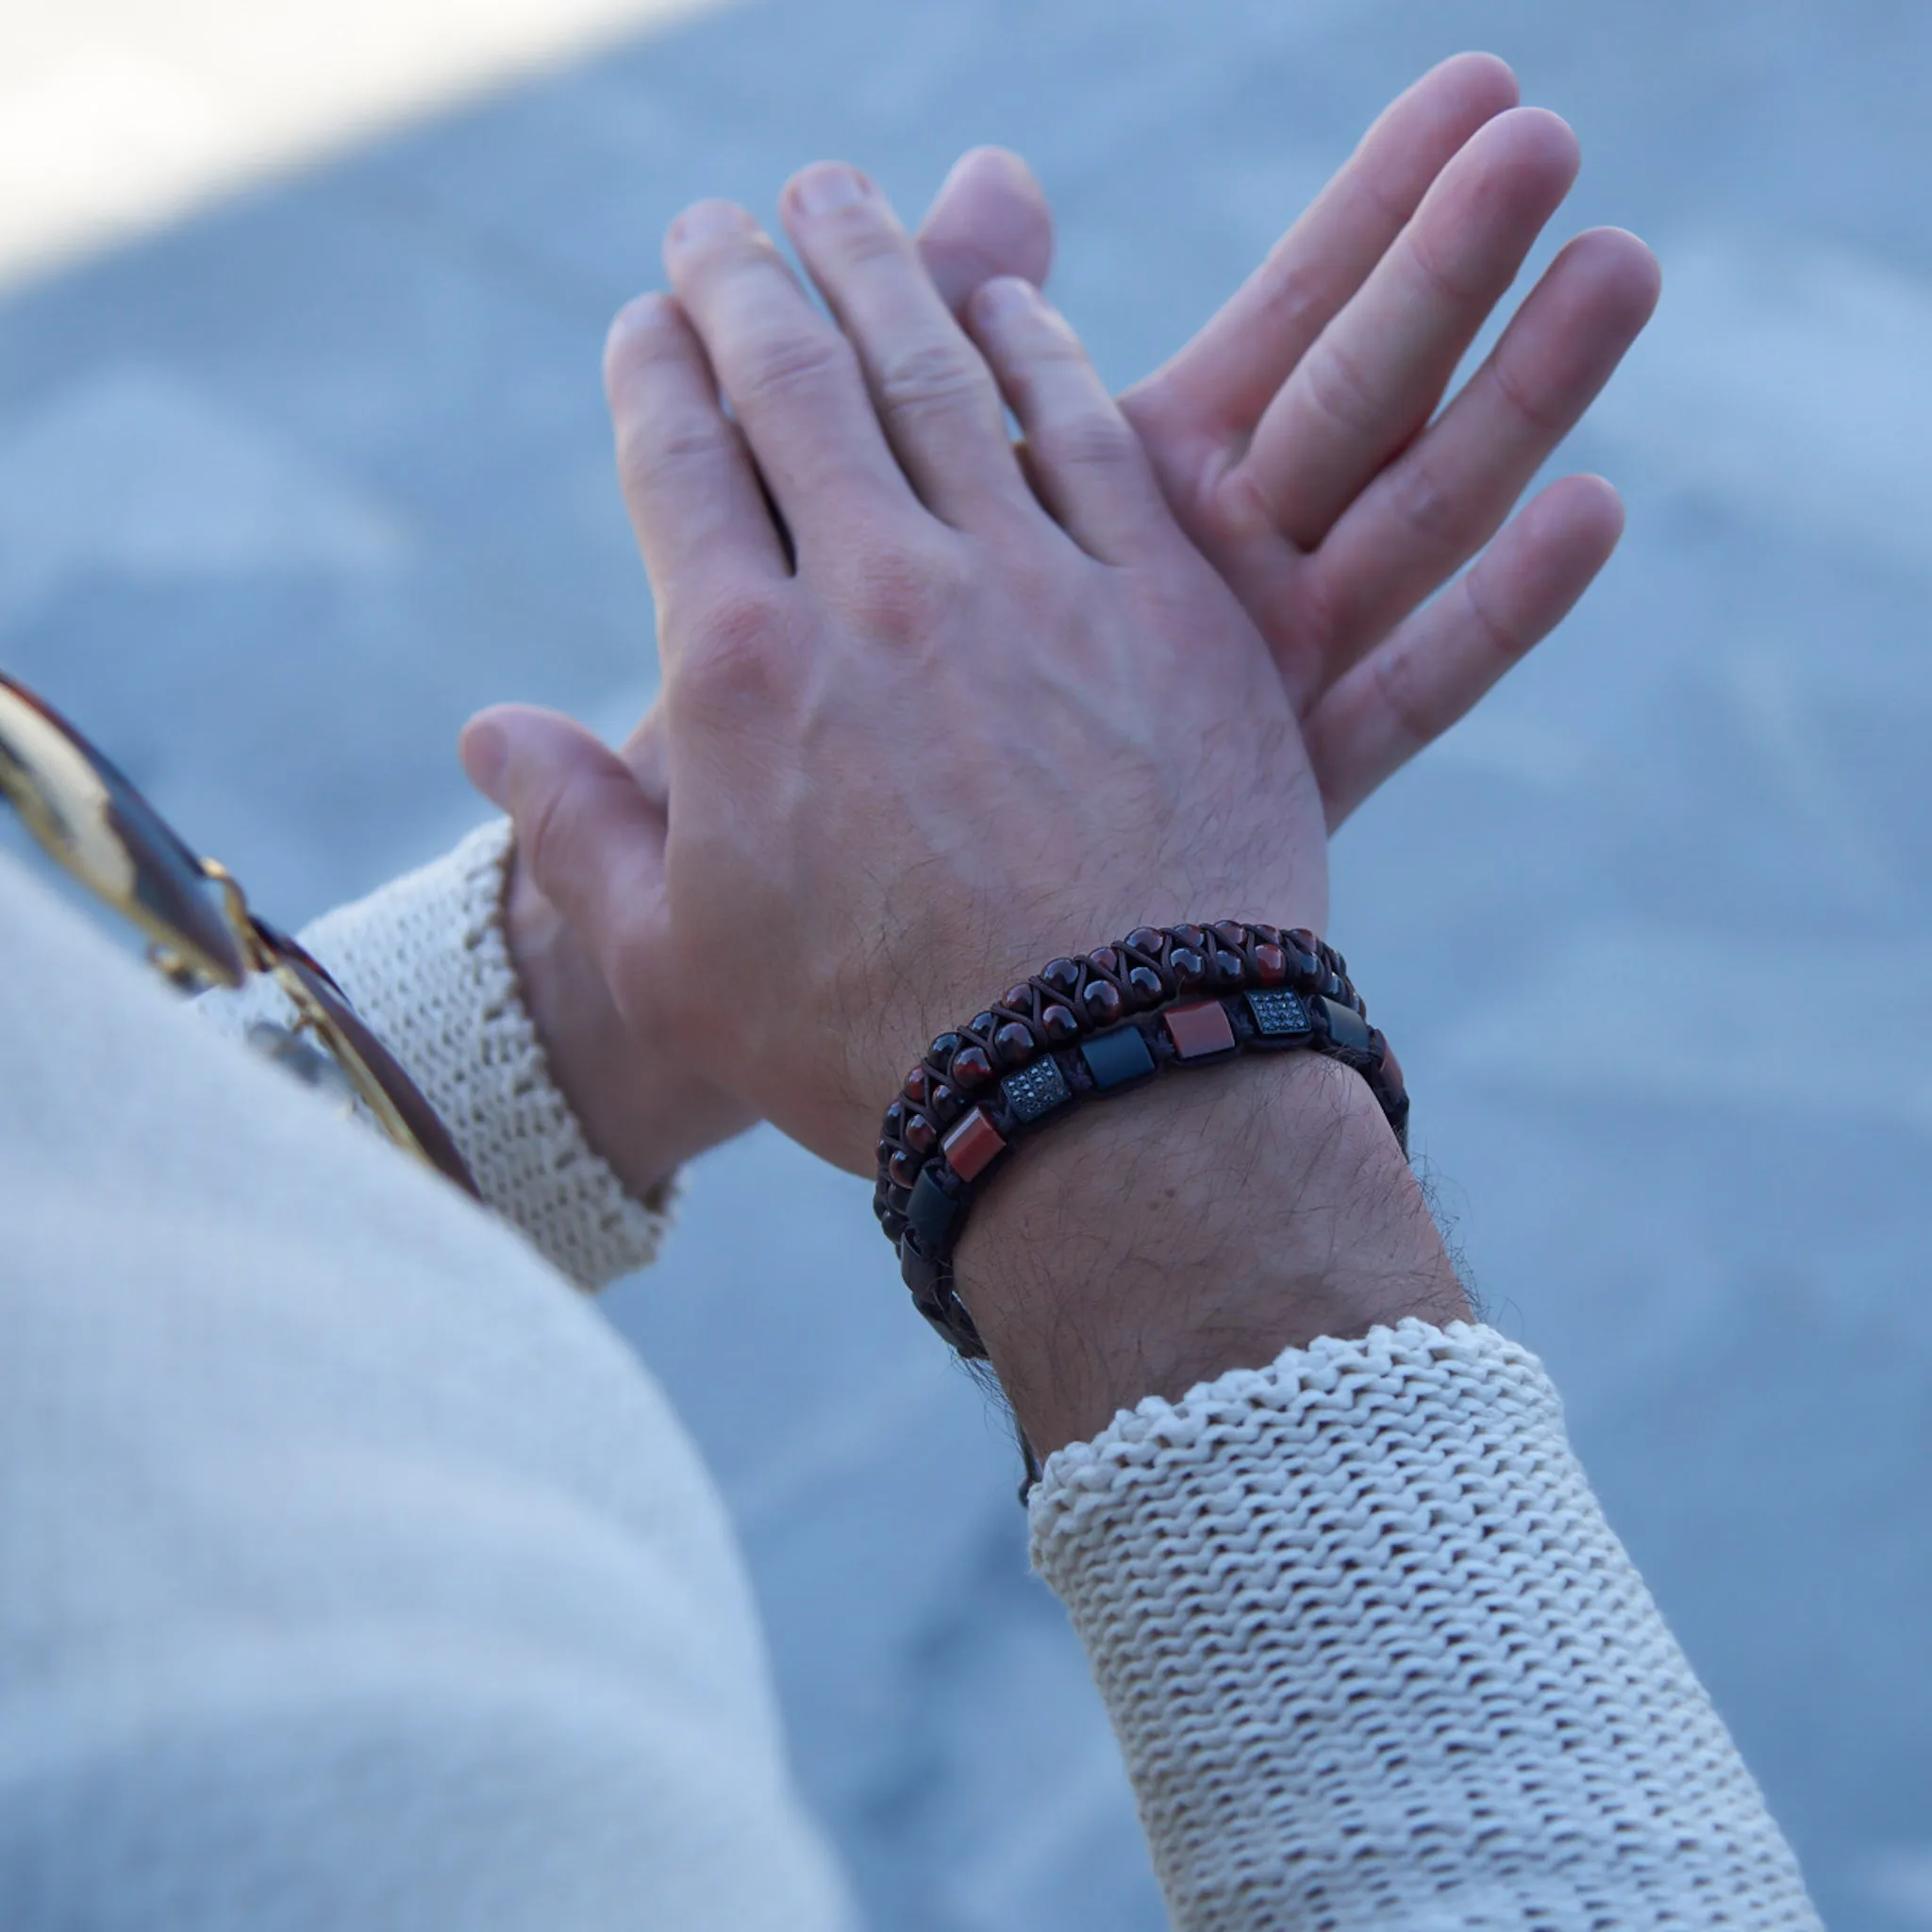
(1103, 1002)
(1271, 964)
(1148, 940)
(904, 1168)
(1063, 976)
(1060, 1024)
(1267, 935)
(1013, 1043)
(1018, 999)
(1190, 937)
(921, 1134)
(972, 1145)
(1104, 959)
(972, 1068)
(942, 1103)
(1143, 983)
(1231, 933)
(918, 1086)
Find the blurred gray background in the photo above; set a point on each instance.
(293, 480)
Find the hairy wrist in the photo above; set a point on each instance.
(1202, 1224)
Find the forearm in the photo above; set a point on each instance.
(1372, 1655)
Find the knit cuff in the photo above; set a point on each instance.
(425, 961)
(1376, 1659)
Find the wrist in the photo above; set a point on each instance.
(1204, 1224)
(642, 1110)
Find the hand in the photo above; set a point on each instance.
(966, 723)
(1293, 436)
(962, 733)
(1369, 687)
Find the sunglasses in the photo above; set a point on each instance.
(200, 930)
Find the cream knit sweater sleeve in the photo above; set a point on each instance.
(1376, 1659)
(426, 963)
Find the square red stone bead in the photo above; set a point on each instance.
(971, 1146)
(1199, 1029)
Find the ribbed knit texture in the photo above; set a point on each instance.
(1376, 1659)
(426, 963)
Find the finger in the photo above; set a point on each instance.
(1085, 461)
(1381, 366)
(791, 377)
(929, 384)
(1223, 380)
(1431, 511)
(990, 218)
(647, 753)
(593, 843)
(1407, 692)
(687, 480)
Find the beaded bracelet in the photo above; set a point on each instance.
(1164, 996)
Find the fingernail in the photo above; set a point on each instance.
(704, 221)
(1005, 296)
(483, 749)
(828, 186)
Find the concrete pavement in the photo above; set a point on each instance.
(288, 487)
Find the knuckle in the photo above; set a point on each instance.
(656, 454)
(1429, 507)
(1089, 440)
(735, 653)
(790, 366)
(903, 595)
(1338, 390)
(929, 377)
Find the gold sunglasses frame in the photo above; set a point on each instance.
(94, 823)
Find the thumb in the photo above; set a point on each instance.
(593, 839)
(988, 219)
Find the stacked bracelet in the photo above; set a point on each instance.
(1164, 996)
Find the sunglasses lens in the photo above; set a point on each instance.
(373, 1059)
(101, 829)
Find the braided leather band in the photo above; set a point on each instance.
(1164, 996)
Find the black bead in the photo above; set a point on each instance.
(1188, 967)
(1147, 939)
(931, 1214)
(1144, 984)
(895, 1117)
(921, 1134)
(942, 1049)
(904, 1167)
(1346, 1028)
(1117, 1059)
(1063, 976)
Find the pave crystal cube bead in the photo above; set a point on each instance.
(1279, 1015)
(1034, 1094)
